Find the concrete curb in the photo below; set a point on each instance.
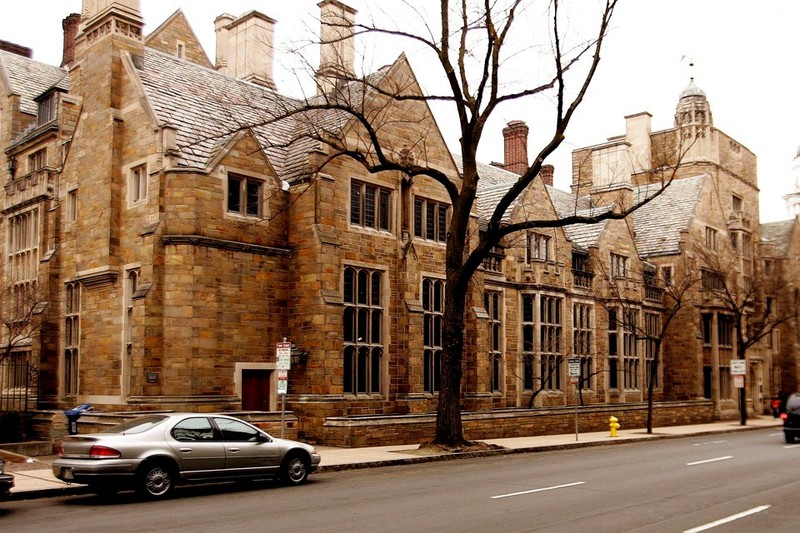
(70, 490)
(528, 449)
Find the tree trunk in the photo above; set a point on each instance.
(449, 431)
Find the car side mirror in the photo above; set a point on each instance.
(264, 438)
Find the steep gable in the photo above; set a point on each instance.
(778, 236)
(659, 223)
(176, 34)
(28, 79)
(207, 108)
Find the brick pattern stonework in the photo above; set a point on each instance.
(194, 253)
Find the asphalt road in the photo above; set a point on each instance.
(747, 481)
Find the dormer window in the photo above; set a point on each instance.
(47, 109)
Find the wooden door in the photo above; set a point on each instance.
(256, 390)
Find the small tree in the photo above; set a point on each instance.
(733, 280)
(672, 296)
(21, 315)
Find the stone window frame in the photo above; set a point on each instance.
(551, 341)
(619, 265)
(71, 206)
(37, 160)
(72, 338)
(244, 177)
(375, 214)
(583, 341)
(432, 298)
(712, 238)
(493, 305)
(364, 318)
(528, 337)
(652, 328)
(431, 219)
(539, 248)
(137, 187)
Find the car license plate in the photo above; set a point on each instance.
(67, 472)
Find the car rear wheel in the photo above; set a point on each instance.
(294, 469)
(789, 438)
(156, 480)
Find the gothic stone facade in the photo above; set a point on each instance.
(175, 248)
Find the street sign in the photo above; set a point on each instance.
(738, 367)
(574, 367)
(738, 381)
(283, 352)
(283, 381)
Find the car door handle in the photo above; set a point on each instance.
(186, 450)
(233, 450)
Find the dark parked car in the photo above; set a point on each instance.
(6, 481)
(153, 453)
(790, 414)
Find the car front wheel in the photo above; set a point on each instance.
(294, 470)
(156, 480)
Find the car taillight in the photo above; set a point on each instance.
(59, 449)
(784, 416)
(104, 451)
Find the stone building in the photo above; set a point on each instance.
(176, 232)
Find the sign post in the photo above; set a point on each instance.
(283, 356)
(574, 367)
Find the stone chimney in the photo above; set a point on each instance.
(336, 55)
(547, 174)
(70, 26)
(637, 133)
(245, 47)
(515, 136)
(221, 28)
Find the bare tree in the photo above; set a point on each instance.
(21, 315)
(733, 280)
(383, 122)
(672, 295)
(471, 46)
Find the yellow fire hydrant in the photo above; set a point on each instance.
(613, 425)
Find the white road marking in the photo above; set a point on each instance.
(538, 490)
(791, 447)
(707, 443)
(710, 460)
(731, 518)
(775, 435)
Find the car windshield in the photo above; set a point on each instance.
(137, 425)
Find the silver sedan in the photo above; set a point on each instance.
(153, 453)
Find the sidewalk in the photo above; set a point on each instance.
(34, 477)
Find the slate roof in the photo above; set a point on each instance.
(778, 235)
(658, 224)
(494, 182)
(209, 108)
(30, 79)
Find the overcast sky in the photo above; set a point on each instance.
(742, 52)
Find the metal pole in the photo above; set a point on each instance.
(576, 412)
(283, 410)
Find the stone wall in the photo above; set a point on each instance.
(414, 429)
